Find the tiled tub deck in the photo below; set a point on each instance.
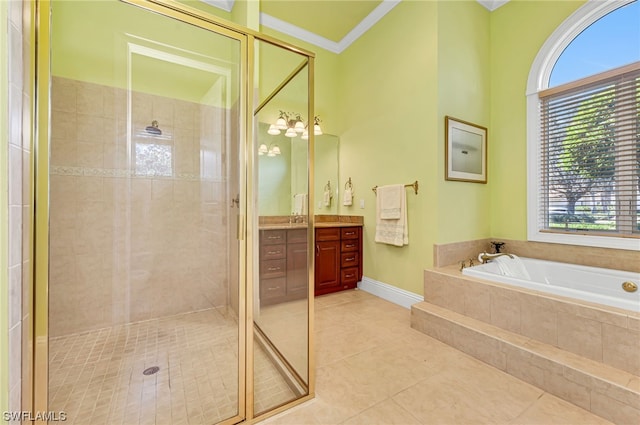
(585, 353)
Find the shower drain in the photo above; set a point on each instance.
(151, 370)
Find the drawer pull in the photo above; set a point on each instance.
(350, 245)
(272, 269)
(350, 259)
(273, 289)
(274, 237)
(349, 233)
(349, 275)
(273, 252)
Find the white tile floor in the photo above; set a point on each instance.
(96, 377)
(372, 368)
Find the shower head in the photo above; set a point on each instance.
(153, 129)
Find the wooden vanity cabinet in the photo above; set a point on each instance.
(327, 261)
(297, 270)
(338, 258)
(283, 265)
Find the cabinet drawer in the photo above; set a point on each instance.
(328, 234)
(273, 268)
(297, 236)
(349, 245)
(349, 259)
(273, 252)
(273, 288)
(269, 237)
(349, 276)
(350, 232)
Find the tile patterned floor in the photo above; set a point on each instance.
(374, 369)
(96, 377)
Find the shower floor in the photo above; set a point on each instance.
(97, 377)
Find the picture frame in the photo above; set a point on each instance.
(465, 151)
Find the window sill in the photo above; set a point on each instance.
(631, 243)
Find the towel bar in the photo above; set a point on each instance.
(414, 185)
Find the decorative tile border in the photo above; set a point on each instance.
(61, 170)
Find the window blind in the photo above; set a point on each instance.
(590, 155)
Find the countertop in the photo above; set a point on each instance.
(284, 226)
(320, 221)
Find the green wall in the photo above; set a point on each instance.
(388, 101)
(518, 31)
(434, 59)
(464, 93)
(4, 208)
(89, 42)
(431, 60)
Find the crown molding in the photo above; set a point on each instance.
(226, 5)
(371, 19)
(317, 40)
(336, 47)
(299, 33)
(492, 5)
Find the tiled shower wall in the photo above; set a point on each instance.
(138, 224)
(20, 206)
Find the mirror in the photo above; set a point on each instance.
(284, 175)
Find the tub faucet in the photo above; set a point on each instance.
(486, 257)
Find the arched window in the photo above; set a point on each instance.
(583, 130)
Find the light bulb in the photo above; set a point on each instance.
(273, 130)
(262, 149)
(281, 124)
(276, 150)
(290, 132)
(317, 130)
(305, 135)
(299, 127)
(271, 153)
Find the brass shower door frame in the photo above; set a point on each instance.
(247, 231)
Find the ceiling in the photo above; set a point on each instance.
(330, 19)
(330, 24)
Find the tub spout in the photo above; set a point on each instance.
(485, 257)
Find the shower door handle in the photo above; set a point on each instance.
(236, 201)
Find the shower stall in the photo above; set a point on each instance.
(147, 305)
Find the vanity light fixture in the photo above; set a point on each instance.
(317, 131)
(293, 125)
(272, 150)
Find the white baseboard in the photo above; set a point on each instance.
(389, 292)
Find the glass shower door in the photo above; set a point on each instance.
(145, 318)
(281, 303)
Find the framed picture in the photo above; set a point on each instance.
(465, 151)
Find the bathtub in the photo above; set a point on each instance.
(592, 284)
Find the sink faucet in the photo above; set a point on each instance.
(295, 218)
(486, 257)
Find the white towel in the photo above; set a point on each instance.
(300, 204)
(326, 197)
(392, 231)
(391, 198)
(347, 197)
